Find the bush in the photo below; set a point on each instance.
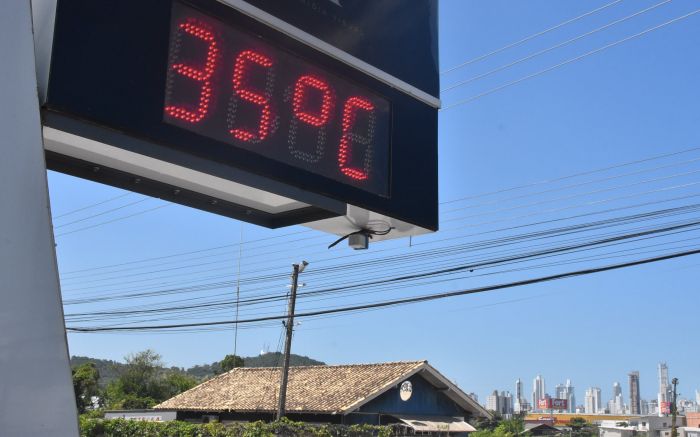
(92, 427)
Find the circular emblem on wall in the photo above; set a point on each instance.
(406, 390)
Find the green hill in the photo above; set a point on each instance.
(109, 370)
(274, 359)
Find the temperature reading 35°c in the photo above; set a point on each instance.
(225, 84)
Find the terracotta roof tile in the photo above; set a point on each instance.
(322, 389)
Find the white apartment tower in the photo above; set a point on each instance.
(492, 403)
(566, 391)
(500, 403)
(593, 401)
(538, 391)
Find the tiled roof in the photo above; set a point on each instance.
(318, 389)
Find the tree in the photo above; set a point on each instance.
(230, 362)
(85, 379)
(577, 423)
(511, 427)
(581, 427)
(488, 423)
(143, 382)
(176, 382)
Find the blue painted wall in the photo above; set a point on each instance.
(425, 400)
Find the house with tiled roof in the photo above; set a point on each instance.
(411, 394)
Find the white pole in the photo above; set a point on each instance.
(36, 391)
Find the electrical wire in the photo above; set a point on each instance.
(528, 38)
(113, 220)
(551, 48)
(411, 300)
(568, 61)
(109, 211)
(92, 205)
(546, 181)
(419, 255)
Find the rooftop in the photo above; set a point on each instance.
(312, 389)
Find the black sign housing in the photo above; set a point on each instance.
(107, 83)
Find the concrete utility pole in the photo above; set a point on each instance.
(298, 268)
(36, 375)
(674, 410)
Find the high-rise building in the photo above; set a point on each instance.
(501, 403)
(664, 395)
(566, 391)
(506, 404)
(593, 402)
(538, 391)
(519, 400)
(617, 389)
(492, 402)
(617, 403)
(635, 400)
(697, 397)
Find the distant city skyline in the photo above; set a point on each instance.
(594, 401)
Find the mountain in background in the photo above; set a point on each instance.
(109, 370)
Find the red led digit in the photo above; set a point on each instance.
(317, 118)
(348, 138)
(201, 75)
(300, 92)
(244, 60)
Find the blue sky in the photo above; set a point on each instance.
(633, 101)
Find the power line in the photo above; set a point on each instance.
(102, 213)
(568, 61)
(410, 300)
(113, 220)
(267, 259)
(518, 257)
(575, 175)
(529, 37)
(588, 193)
(422, 254)
(554, 47)
(92, 205)
(546, 181)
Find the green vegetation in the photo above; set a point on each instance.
(109, 370)
(274, 359)
(580, 427)
(230, 362)
(91, 427)
(496, 427)
(85, 380)
(143, 382)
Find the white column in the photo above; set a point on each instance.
(36, 391)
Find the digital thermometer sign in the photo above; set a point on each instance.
(230, 86)
(228, 108)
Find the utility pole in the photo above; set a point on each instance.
(297, 268)
(674, 409)
(238, 292)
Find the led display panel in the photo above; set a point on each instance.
(230, 86)
(225, 108)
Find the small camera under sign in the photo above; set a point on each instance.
(358, 241)
(406, 390)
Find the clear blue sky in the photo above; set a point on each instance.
(637, 100)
